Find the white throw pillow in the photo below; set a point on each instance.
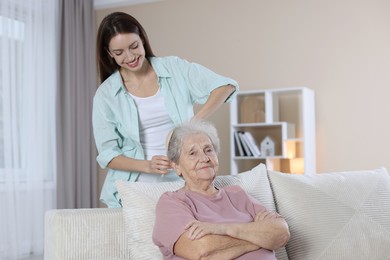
(341, 215)
(139, 202)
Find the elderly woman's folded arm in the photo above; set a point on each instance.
(268, 230)
(212, 247)
(267, 233)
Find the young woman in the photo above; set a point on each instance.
(141, 99)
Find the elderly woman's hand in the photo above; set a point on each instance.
(197, 229)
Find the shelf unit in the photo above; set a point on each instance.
(285, 115)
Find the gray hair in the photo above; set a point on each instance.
(182, 131)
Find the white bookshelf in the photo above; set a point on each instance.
(285, 115)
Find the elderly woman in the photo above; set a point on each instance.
(201, 221)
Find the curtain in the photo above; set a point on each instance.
(76, 150)
(27, 123)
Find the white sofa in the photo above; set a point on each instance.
(340, 215)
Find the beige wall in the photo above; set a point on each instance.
(339, 48)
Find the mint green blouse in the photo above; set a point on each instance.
(115, 115)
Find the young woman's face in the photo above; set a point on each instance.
(127, 50)
(198, 160)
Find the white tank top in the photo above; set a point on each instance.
(154, 127)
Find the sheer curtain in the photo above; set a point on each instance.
(27, 123)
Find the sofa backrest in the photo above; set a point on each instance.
(337, 215)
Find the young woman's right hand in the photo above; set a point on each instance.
(159, 164)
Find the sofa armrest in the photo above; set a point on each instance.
(85, 234)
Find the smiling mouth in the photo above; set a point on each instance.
(133, 63)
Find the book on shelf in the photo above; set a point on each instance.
(252, 144)
(240, 150)
(244, 143)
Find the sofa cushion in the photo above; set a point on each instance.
(139, 200)
(340, 215)
(84, 234)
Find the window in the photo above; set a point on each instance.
(27, 123)
(11, 39)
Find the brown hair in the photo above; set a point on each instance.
(112, 25)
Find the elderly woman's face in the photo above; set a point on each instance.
(198, 160)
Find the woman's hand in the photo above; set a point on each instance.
(159, 164)
(197, 229)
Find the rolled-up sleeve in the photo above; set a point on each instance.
(112, 135)
(106, 138)
(201, 80)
